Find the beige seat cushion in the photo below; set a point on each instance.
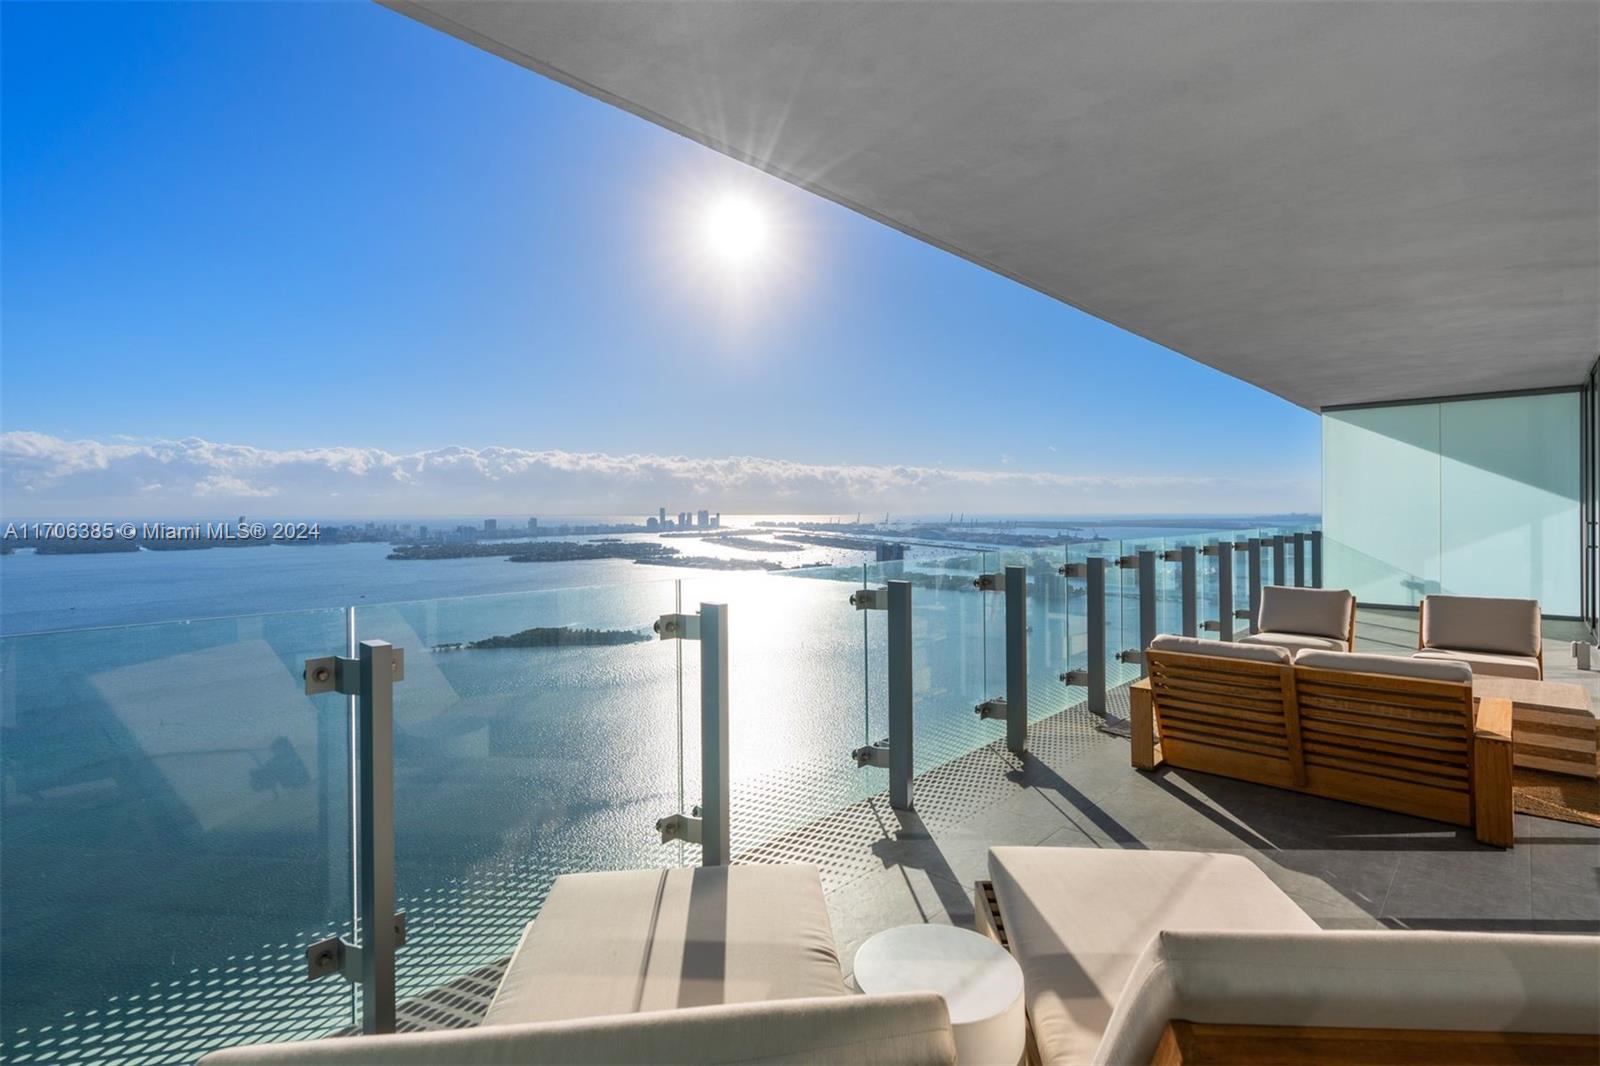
(1079, 918)
(1481, 623)
(1516, 982)
(1219, 649)
(911, 1029)
(1314, 612)
(642, 940)
(1389, 665)
(1485, 663)
(1293, 642)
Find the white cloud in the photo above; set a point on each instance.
(42, 475)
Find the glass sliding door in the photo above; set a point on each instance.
(1470, 496)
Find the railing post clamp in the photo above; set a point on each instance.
(872, 755)
(992, 710)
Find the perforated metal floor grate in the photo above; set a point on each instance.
(840, 844)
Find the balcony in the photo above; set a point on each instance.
(181, 818)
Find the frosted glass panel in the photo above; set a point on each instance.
(1473, 497)
(1380, 502)
(1509, 498)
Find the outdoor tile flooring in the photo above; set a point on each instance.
(1348, 867)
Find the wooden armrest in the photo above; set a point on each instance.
(1143, 684)
(1493, 720)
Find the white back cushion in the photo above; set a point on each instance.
(1320, 612)
(1258, 653)
(1499, 982)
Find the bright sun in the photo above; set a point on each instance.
(735, 231)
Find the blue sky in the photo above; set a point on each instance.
(243, 239)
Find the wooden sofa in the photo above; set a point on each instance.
(1384, 731)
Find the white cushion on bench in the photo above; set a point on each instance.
(911, 1029)
(1220, 649)
(1507, 982)
(1078, 920)
(1485, 663)
(1295, 641)
(642, 940)
(1388, 665)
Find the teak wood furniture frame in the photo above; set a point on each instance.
(1398, 743)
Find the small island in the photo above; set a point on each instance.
(553, 637)
(556, 551)
(693, 562)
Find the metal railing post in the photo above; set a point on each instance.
(715, 823)
(900, 680)
(709, 822)
(1147, 607)
(1096, 642)
(1279, 571)
(1017, 659)
(894, 754)
(1253, 560)
(1093, 675)
(1188, 575)
(375, 850)
(1299, 560)
(1012, 708)
(1316, 558)
(1222, 551)
(369, 676)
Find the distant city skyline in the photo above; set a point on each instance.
(321, 259)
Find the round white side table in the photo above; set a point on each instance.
(980, 982)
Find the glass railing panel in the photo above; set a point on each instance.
(805, 683)
(949, 654)
(536, 734)
(1049, 632)
(176, 833)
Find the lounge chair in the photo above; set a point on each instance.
(712, 964)
(1296, 618)
(1171, 957)
(1496, 637)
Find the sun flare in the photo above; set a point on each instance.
(736, 232)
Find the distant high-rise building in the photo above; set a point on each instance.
(683, 519)
(716, 520)
(422, 533)
(533, 525)
(662, 515)
(704, 519)
(652, 523)
(490, 525)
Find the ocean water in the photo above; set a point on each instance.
(176, 812)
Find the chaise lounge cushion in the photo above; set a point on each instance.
(1481, 623)
(1078, 920)
(1503, 982)
(1309, 612)
(1388, 665)
(643, 940)
(1486, 663)
(1293, 642)
(1220, 649)
(910, 1029)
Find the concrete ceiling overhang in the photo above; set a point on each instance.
(1341, 201)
